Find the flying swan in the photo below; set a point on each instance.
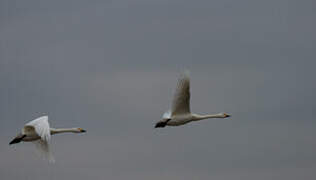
(180, 113)
(39, 132)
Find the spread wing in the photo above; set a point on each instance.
(41, 127)
(43, 147)
(181, 99)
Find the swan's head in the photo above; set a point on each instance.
(224, 115)
(80, 130)
(162, 123)
(17, 139)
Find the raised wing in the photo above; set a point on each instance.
(181, 99)
(41, 127)
(43, 147)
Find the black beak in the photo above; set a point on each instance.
(14, 141)
(160, 125)
(82, 130)
(228, 115)
(17, 140)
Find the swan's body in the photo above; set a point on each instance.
(180, 113)
(39, 132)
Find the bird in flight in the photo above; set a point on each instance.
(180, 113)
(39, 132)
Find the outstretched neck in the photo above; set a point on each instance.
(63, 130)
(197, 117)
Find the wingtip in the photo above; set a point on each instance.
(45, 117)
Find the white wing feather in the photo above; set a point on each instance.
(181, 100)
(43, 147)
(41, 127)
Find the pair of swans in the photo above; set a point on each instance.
(39, 132)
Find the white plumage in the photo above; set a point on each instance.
(180, 112)
(40, 126)
(39, 132)
(181, 99)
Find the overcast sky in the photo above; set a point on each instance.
(111, 67)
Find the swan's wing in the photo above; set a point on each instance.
(43, 147)
(181, 99)
(41, 127)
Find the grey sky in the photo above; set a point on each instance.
(111, 66)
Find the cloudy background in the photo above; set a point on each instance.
(110, 67)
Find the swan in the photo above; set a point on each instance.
(39, 132)
(180, 113)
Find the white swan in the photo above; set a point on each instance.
(39, 132)
(180, 110)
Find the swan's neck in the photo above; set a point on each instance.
(197, 117)
(63, 130)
